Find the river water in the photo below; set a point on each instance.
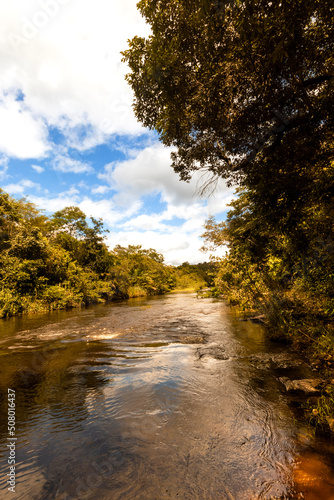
(171, 397)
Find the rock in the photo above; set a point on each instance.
(258, 319)
(260, 361)
(204, 293)
(330, 422)
(213, 352)
(328, 389)
(280, 361)
(305, 386)
(193, 340)
(283, 361)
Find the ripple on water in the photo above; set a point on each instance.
(158, 399)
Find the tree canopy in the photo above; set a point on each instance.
(234, 84)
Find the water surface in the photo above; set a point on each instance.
(166, 398)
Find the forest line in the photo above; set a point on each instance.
(62, 261)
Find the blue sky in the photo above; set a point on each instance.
(68, 135)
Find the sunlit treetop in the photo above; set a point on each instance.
(228, 83)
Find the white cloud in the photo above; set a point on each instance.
(73, 193)
(105, 209)
(3, 166)
(176, 230)
(63, 163)
(108, 210)
(150, 172)
(53, 204)
(22, 186)
(37, 168)
(128, 226)
(100, 190)
(176, 248)
(63, 60)
(147, 222)
(61, 71)
(22, 135)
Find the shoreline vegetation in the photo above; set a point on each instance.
(62, 262)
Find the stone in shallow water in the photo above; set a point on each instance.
(193, 340)
(258, 319)
(215, 352)
(330, 422)
(280, 361)
(305, 386)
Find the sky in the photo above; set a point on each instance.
(68, 135)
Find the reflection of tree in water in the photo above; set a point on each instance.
(55, 379)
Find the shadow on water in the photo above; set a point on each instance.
(171, 397)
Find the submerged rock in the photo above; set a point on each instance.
(255, 319)
(193, 340)
(305, 386)
(330, 422)
(279, 361)
(215, 352)
(260, 361)
(282, 361)
(258, 319)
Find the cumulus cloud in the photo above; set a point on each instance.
(22, 186)
(108, 211)
(104, 209)
(176, 230)
(100, 190)
(180, 248)
(150, 173)
(3, 166)
(60, 66)
(147, 222)
(37, 168)
(63, 163)
(22, 135)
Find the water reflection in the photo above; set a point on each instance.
(167, 398)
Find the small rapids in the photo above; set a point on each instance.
(171, 397)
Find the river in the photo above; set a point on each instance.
(171, 397)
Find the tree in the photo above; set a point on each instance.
(141, 271)
(229, 84)
(70, 220)
(16, 214)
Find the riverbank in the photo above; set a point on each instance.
(62, 299)
(317, 392)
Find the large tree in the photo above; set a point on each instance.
(233, 85)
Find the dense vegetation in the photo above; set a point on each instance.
(62, 261)
(240, 88)
(287, 275)
(244, 90)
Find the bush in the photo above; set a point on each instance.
(136, 291)
(10, 303)
(57, 297)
